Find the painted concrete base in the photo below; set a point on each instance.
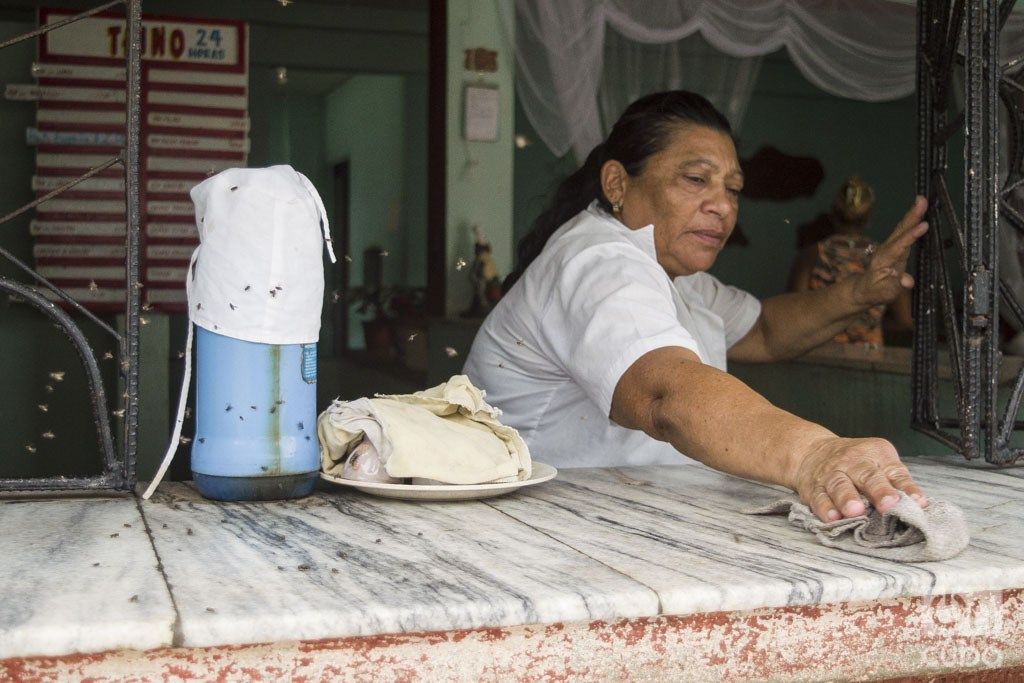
(865, 641)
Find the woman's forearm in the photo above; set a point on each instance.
(794, 323)
(714, 418)
(798, 322)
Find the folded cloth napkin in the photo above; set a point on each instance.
(448, 433)
(907, 533)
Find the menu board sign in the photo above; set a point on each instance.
(194, 87)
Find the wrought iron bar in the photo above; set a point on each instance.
(1010, 187)
(955, 422)
(948, 49)
(100, 483)
(924, 412)
(57, 24)
(944, 135)
(1016, 216)
(992, 23)
(945, 438)
(66, 186)
(97, 396)
(1015, 138)
(944, 208)
(1012, 408)
(133, 100)
(954, 336)
(1015, 86)
(973, 321)
(64, 296)
(1005, 7)
(1011, 301)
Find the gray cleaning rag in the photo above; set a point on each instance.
(907, 533)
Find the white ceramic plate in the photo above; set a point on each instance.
(541, 473)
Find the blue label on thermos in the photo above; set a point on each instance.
(309, 363)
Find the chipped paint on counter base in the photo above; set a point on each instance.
(843, 641)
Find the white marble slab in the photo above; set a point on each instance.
(679, 531)
(79, 575)
(345, 564)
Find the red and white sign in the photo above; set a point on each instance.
(179, 41)
(194, 122)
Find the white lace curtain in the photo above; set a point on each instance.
(633, 69)
(860, 49)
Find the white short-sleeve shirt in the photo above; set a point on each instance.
(593, 302)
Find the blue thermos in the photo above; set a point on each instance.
(255, 435)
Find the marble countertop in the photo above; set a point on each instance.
(88, 575)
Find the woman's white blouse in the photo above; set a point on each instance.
(596, 300)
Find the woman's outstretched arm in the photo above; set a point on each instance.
(717, 419)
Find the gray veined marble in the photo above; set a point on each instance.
(679, 530)
(79, 576)
(82, 575)
(344, 564)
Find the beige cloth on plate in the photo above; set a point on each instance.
(907, 533)
(448, 433)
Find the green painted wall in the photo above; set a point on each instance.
(287, 127)
(414, 207)
(480, 174)
(366, 118)
(537, 173)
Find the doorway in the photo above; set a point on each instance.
(338, 298)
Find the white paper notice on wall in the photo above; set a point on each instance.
(481, 122)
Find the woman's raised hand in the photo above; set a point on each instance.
(886, 275)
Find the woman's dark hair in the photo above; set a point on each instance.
(643, 130)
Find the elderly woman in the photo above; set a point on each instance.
(611, 347)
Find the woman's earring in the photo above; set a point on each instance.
(617, 207)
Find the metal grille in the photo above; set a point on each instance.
(962, 322)
(118, 473)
